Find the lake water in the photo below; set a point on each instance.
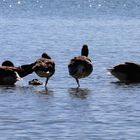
(101, 109)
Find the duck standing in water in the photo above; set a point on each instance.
(44, 67)
(9, 74)
(128, 72)
(80, 66)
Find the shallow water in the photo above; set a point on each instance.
(101, 109)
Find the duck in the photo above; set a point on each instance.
(127, 72)
(44, 67)
(35, 82)
(80, 66)
(9, 74)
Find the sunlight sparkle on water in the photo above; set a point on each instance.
(19, 2)
(99, 5)
(90, 5)
(41, 6)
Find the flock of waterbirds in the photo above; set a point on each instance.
(78, 67)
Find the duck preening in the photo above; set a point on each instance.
(44, 67)
(128, 72)
(9, 74)
(80, 66)
(25, 70)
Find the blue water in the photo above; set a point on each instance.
(101, 109)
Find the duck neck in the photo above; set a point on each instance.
(45, 55)
(85, 51)
(24, 70)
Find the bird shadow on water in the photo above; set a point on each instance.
(14, 89)
(79, 92)
(9, 88)
(24, 89)
(44, 91)
(125, 84)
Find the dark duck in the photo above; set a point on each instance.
(44, 67)
(128, 72)
(80, 66)
(9, 74)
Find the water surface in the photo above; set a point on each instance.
(102, 108)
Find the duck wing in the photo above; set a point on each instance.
(80, 64)
(43, 66)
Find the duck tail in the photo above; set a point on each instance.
(110, 69)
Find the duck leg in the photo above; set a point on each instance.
(46, 83)
(77, 82)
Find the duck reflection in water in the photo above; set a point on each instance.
(45, 92)
(79, 92)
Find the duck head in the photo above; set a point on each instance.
(8, 63)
